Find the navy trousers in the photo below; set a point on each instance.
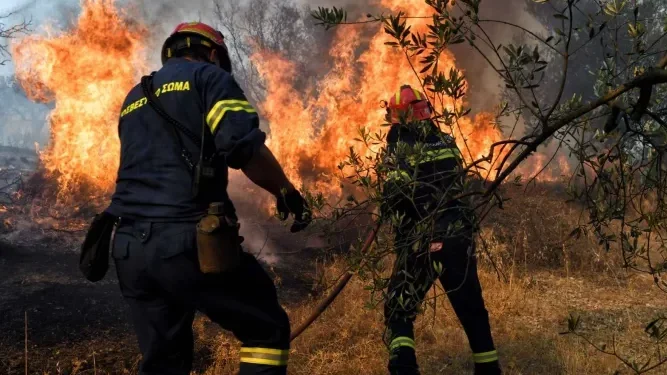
(417, 267)
(159, 277)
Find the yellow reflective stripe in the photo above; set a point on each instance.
(417, 94)
(402, 341)
(265, 351)
(265, 356)
(220, 108)
(485, 357)
(435, 155)
(263, 361)
(398, 98)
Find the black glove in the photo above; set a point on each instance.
(292, 202)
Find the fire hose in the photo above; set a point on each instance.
(324, 304)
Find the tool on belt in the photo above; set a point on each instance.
(218, 240)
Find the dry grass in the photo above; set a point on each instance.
(533, 230)
(527, 316)
(547, 278)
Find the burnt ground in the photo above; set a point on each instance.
(68, 318)
(75, 326)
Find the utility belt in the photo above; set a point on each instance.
(218, 242)
(218, 239)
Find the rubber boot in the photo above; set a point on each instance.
(403, 361)
(488, 368)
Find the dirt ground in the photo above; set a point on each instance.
(75, 326)
(68, 318)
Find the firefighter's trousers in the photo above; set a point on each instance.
(159, 277)
(414, 273)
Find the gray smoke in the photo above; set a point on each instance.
(22, 122)
(485, 85)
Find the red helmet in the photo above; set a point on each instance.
(192, 33)
(409, 103)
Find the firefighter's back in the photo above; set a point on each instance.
(154, 181)
(431, 163)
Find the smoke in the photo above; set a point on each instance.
(485, 85)
(22, 122)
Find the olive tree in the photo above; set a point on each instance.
(614, 129)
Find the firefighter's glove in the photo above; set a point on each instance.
(293, 203)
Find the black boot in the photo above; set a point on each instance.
(488, 368)
(403, 361)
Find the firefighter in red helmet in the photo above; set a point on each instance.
(433, 233)
(180, 130)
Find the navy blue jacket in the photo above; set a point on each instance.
(153, 181)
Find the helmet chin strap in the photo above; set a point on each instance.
(213, 58)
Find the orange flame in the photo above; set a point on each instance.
(311, 136)
(87, 72)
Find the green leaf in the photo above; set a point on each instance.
(426, 68)
(508, 51)
(560, 16)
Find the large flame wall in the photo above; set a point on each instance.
(312, 135)
(87, 73)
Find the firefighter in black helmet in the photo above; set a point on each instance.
(155, 246)
(434, 234)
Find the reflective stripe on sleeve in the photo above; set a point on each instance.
(485, 357)
(216, 114)
(265, 356)
(401, 341)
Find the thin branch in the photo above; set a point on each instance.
(566, 58)
(534, 35)
(652, 77)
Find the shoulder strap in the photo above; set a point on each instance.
(146, 85)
